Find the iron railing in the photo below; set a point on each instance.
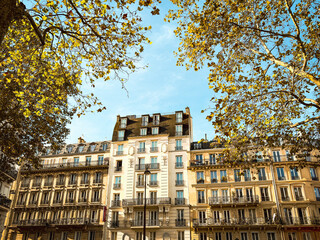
(149, 201)
(234, 200)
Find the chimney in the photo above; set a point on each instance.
(188, 110)
(81, 140)
(205, 137)
(118, 118)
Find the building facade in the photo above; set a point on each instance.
(149, 169)
(64, 198)
(270, 199)
(8, 174)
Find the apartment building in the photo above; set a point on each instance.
(8, 174)
(149, 170)
(271, 199)
(63, 199)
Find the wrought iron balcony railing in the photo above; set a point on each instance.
(150, 201)
(181, 222)
(4, 201)
(180, 201)
(154, 149)
(234, 200)
(179, 164)
(116, 203)
(210, 222)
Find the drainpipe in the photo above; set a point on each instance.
(276, 198)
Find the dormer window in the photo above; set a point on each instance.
(104, 146)
(123, 123)
(178, 130)
(155, 130)
(156, 119)
(145, 120)
(179, 116)
(143, 131)
(80, 148)
(121, 135)
(69, 149)
(92, 147)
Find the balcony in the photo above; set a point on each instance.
(140, 167)
(5, 202)
(179, 182)
(150, 166)
(119, 153)
(57, 201)
(25, 184)
(214, 180)
(36, 184)
(265, 198)
(281, 178)
(285, 199)
(154, 166)
(232, 222)
(315, 178)
(70, 200)
(237, 179)
(48, 183)
(227, 200)
(72, 182)
(295, 178)
(299, 198)
(179, 133)
(114, 224)
(117, 186)
(247, 179)
(21, 203)
(82, 200)
(179, 164)
(153, 183)
(180, 201)
(44, 202)
(60, 183)
(178, 148)
(154, 149)
(181, 222)
(116, 203)
(95, 200)
(300, 221)
(140, 184)
(150, 201)
(84, 181)
(34, 202)
(75, 164)
(118, 169)
(262, 178)
(200, 181)
(149, 223)
(97, 181)
(141, 150)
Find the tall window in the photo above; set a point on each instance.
(142, 146)
(264, 194)
(180, 235)
(284, 194)
(179, 178)
(145, 120)
(100, 160)
(179, 162)
(155, 130)
(294, 173)
(199, 159)
(120, 135)
(152, 236)
(237, 176)
(262, 174)
(156, 119)
(244, 236)
(72, 179)
(117, 182)
(267, 215)
(143, 131)
(271, 236)
(202, 236)
(179, 116)
(218, 236)
(214, 177)
(120, 149)
(202, 217)
(153, 179)
(280, 173)
(298, 193)
(313, 174)
(88, 161)
(91, 235)
(247, 175)
(77, 236)
(288, 215)
(228, 235)
(292, 236)
(104, 146)
(123, 123)
(80, 148)
(179, 131)
(200, 177)
(212, 159)
(201, 198)
(178, 144)
(223, 175)
(317, 193)
(154, 146)
(276, 156)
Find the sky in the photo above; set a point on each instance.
(163, 87)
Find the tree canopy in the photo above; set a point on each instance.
(264, 66)
(47, 49)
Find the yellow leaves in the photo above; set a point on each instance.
(44, 18)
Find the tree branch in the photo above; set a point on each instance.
(305, 121)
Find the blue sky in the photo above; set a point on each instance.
(162, 87)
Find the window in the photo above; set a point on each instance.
(120, 135)
(123, 123)
(298, 193)
(307, 236)
(247, 175)
(267, 215)
(178, 144)
(156, 119)
(239, 193)
(70, 198)
(139, 235)
(143, 131)
(145, 120)
(69, 149)
(179, 162)
(98, 177)
(154, 163)
(264, 194)
(179, 178)
(289, 156)
(152, 236)
(179, 116)
(276, 156)
(212, 159)
(228, 235)
(199, 159)
(244, 236)
(154, 146)
(223, 176)
(214, 177)
(64, 236)
(73, 179)
(226, 215)
(85, 178)
(218, 236)
(179, 130)
(92, 147)
(83, 196)
(142, 147)
(252, 215)
(117, 182)
(51, 236)
(91, 235)
(88, 161)
(280, 173)
(155, 130)
(237, 176)
(200, 177)
(202, 236)
(120, 149)
(225, 195)
(80, 148)
(113, 235)
(284, 194)
(288, 215)
(153, 179)
(180, 214)
(294, 173)
(292, 236)
(100, 160)
(216, 216)
(96, 196)
(313, 174)
(202, 217)
(271, 236)
(317, 193)
(104, 146)
(180, 198)
(262, 174)
(180, 235)
(201, 198)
